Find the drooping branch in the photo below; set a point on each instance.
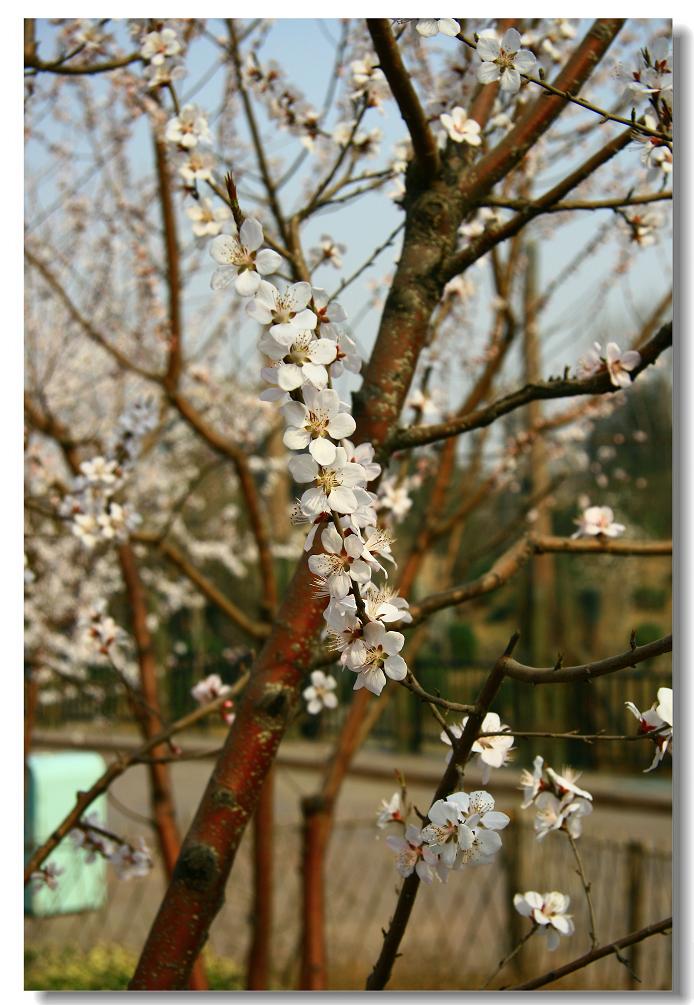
(256, 629)
(424, 145)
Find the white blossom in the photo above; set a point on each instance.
(207, 218)
(304, 361)
(285, 310)
(460, 128)
(334, 482)
(490, 751)
(240, 261)
(316, 423)
(548, 910)
(598, 521)
(430, 26)
(321, 693)
(188, 128)
(47, 876)
(341, 564)
(375, 657)
(553, 813)
(411, 854)
(390, 811)
(131, 861)
(656, 718)
(157, 46)
(503, 59)
(620, 364)
(208, 689)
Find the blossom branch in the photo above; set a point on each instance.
(574, 99)
(380, 975)
(509, 152)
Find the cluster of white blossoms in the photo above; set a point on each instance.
(652, 80)
(283, 102)
(130, 859)
(489, 751)
(211, 688)
(47, 876)
(548, 912)
(95, 514)
(598, 521)
(463, 829)
(428, 27)
(100, 631)
(161, 52)
(657, 720)
(618, 364)
(306, 347)
(559, 803)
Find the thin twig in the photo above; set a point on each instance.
(592, 928)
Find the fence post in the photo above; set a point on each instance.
(513, 869)
(635, 865)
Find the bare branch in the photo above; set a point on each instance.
(659, 927)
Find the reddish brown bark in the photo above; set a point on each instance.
(258, 976)
(314, 841)
(150, 723)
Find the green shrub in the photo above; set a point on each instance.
(104, 968)
(649, 598)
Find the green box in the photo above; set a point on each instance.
(55, 778)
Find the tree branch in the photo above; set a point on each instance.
(595, 954)
(568, 387)
(426, 152)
